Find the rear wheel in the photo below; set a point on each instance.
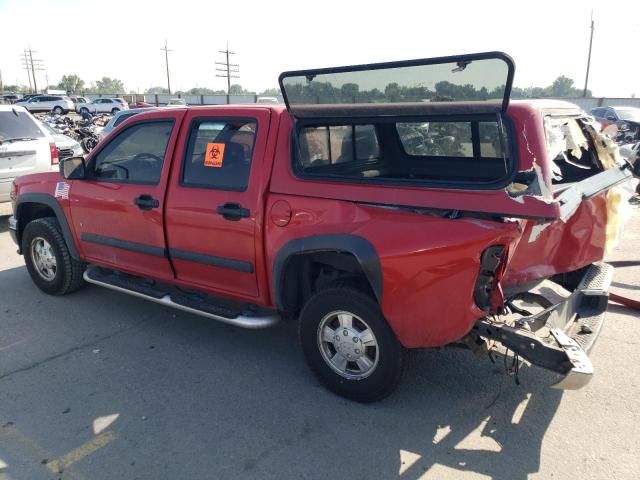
(50, 265)
(58, 110)
(349, 345)
(115, 110)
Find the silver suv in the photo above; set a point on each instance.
(24, 147)
(48, 103)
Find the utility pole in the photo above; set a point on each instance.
(228, 68)
(586, 80)
(33, 72)
(166, 60)
(31, 64)
(25, 65)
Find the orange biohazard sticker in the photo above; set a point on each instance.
(214, 155)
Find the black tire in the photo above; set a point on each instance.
(88, 144)
(114, 111)
(84, 110)
(58, 110)
(68, 274)
(391, 362)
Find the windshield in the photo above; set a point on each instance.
(629, 114)
(470, 78)
(17, 124)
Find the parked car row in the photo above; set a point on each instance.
(61, 104)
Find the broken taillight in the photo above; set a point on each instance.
(54, 154)
(487, 292)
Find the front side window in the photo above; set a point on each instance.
(219, 154)
(403, 152)
(136, 155)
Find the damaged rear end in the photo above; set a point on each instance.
(579, 174)
(559, 337)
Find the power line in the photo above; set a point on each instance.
(166, 60)
(228, 68)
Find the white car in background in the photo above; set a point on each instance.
(176, 102)
(24, 147)
(120, 117)
(102, 105)
(47, 103)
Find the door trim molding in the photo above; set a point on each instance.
(124, 244)
(211, 260)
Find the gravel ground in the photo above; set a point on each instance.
(100, 385)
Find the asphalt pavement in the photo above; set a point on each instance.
(99, 385)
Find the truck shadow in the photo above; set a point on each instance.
(230, 403)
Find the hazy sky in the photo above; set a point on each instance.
(122, 39)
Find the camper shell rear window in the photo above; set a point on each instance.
(445, 152)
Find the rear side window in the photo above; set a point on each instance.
(406, 152)
(219, 154)
(136, 155)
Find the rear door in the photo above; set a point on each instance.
(118, 211)
(213, 209)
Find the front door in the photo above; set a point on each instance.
(212, 209)
(117, 211)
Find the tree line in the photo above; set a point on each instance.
(325, 92)
(562, 86)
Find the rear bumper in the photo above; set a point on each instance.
(5, 189)
(13, 229)
(568, 333)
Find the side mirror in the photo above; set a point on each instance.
(73, 168)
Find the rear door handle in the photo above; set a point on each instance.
(233, 211)
(146, 202)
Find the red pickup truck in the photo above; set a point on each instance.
(388, 207)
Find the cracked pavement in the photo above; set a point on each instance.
(100, 385)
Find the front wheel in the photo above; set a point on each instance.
(58, 110)
(349, 345)
(50, 265)
(114, 111)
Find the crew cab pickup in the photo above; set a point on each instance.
(385, 207)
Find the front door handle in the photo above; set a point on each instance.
(233, 211)
(146, 202)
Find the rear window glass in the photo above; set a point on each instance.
(442, 151)
(18, 125)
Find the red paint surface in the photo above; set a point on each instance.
(429, 263)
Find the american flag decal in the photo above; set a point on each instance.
(62, 190)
